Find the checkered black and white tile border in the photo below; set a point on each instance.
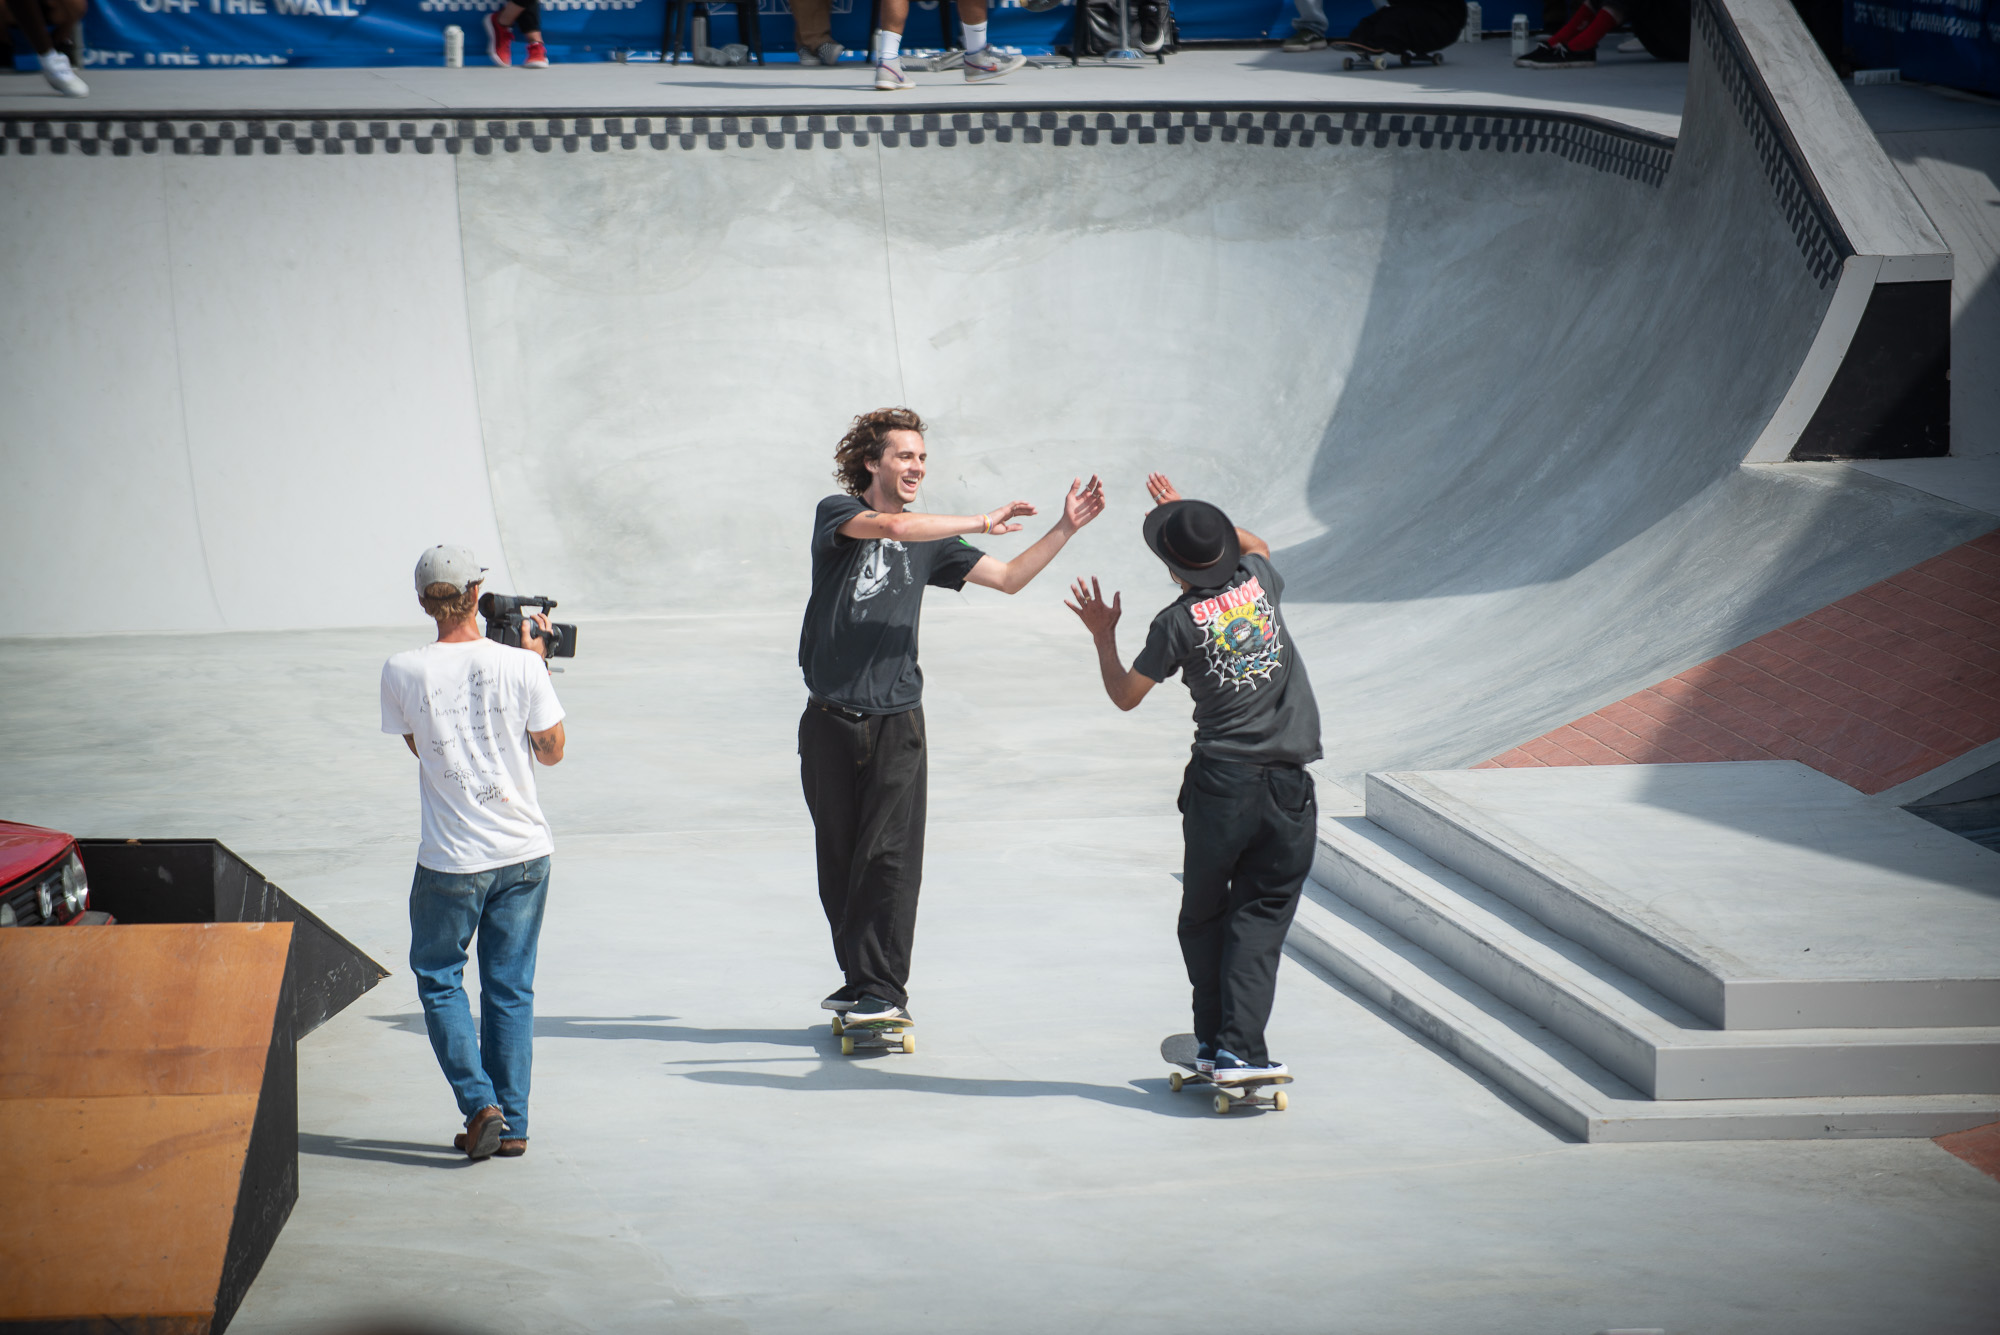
(1822, 243)
(1629, 154)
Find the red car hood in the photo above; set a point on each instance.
(27, 848)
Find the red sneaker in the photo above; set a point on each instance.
(499, 40)
(538, 56)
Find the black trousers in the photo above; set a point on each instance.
(1249, 832)
(865, 781)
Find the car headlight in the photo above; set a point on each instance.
(75, 886)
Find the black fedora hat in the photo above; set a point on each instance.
(1196, 540)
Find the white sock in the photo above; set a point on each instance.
(975, 36)
(888, 45)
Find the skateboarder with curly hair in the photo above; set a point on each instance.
(1248, 813)
(863, 759)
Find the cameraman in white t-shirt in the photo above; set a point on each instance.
(471, 710)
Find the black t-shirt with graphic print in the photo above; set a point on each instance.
(1252, 701)
(858, 646)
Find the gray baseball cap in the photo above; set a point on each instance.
(456, 566)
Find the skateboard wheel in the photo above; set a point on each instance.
(1347, 62)
(1175, 1081)
(1222, 1104)
(838, 1027)
(1381, 62)
(1437, 58)
(909, 1042)
(847, 1046)
(1279, 1101)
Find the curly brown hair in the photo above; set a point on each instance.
(864, 442)
(448, 606)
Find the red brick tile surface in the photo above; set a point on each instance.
(1880, 687)
(1979, 1147)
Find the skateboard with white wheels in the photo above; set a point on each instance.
(1179, 1050)
(879, 1035)
(1364, 56)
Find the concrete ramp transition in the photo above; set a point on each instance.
(1488, 383)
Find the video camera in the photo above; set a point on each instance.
(504, 619)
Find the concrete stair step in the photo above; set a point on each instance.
(1655, 1045)
(1756, 895)
(1559, 1081)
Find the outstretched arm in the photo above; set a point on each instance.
(1163, 491)
(1126, 688)
(1084, 503)
(912, 527)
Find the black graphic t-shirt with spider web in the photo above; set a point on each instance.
(858, 646)
(1252, 701)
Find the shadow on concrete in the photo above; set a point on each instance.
(620, 1027)
(402, 1153)
(862, 1073)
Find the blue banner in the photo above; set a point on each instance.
(210, 34)
(1951, 42)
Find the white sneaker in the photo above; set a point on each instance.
(1231, 1070)
(889, 76)
(808, 59)
(829, 53)
(989, 63)
(56, 69)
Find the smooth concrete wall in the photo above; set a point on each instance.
(238, 391)
(1487, 393)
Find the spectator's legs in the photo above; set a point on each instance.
(1592, 32)
(65, 20)
(813, 19)
(28, 18)
(1311, 17)
(896, 13)
(1579, 19)
(31, 19)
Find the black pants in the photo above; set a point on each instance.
(865, 781)
(1249, 832)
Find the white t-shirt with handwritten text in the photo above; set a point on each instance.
(470, 705)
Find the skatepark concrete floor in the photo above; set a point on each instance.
(703, 1159)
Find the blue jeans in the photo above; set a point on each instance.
(504, 907)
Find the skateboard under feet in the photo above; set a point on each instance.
(1179, 1050)
(883, 1035)
(1369, 57)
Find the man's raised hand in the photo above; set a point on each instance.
(996, 520)
(1084, 503)
(1160, 489)
(1098, 616)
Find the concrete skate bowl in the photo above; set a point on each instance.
(1488, 383)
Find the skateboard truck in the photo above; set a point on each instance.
(884, 1035)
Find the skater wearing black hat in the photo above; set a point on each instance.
(1247, 808)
